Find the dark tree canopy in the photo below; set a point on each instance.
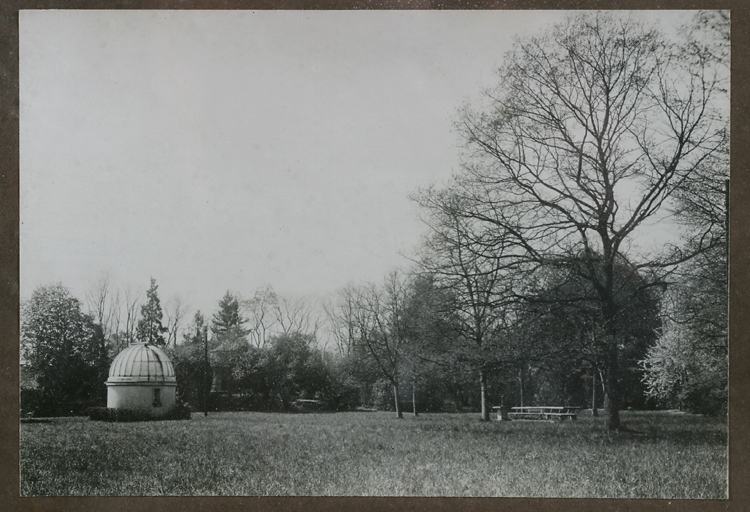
(63, 353)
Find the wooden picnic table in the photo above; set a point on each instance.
(543, 412)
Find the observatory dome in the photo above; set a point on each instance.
(141, 363)
(142, 378)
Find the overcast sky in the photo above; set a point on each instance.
(230, 150)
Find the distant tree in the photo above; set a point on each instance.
(102, 305)
(474, 264)
(131, 305)
(340, 315)
(192, 370)
(175, 314)
(150, 329)
(62, 350)
(228, 344)
(228, 321)
(381, 329)
(194, 333)
(292, 368)
(431, 331)
(295, 315)
(260, 311)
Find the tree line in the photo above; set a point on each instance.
(532, 283)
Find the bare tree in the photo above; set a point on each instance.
(99, 300)
(116, 320)
(295, 315)
(259, 312)
(132, 305)
(341, 318)
(592, 130)
(474, 266)
(175, 312)
(381, 328)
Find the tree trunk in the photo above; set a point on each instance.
(395, 401)
(483, 395)
(414, 397)
(613, 384)
(594, 410)
(520, 380)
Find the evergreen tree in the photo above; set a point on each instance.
(230, 345)
(150, 329)
(227, 323)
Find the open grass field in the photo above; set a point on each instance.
(668, 456)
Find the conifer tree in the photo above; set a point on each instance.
(227, 321)
(150, 329)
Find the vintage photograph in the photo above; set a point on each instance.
(374, 253)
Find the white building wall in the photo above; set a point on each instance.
(141, 397)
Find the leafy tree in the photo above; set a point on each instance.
(293, 369)
(62, 351)
(150, 329)
(687, 366)
(683, 370)
(563, 323)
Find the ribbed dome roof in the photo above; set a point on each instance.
(141, 362)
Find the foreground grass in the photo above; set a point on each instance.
(669, 456)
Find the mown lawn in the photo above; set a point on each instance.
(667, 456)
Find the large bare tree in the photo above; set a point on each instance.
(592, 129)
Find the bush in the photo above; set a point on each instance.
(36, 403)
(181, 411)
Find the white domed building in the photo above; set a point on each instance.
(142, 378)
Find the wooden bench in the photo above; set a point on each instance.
(543, 412)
